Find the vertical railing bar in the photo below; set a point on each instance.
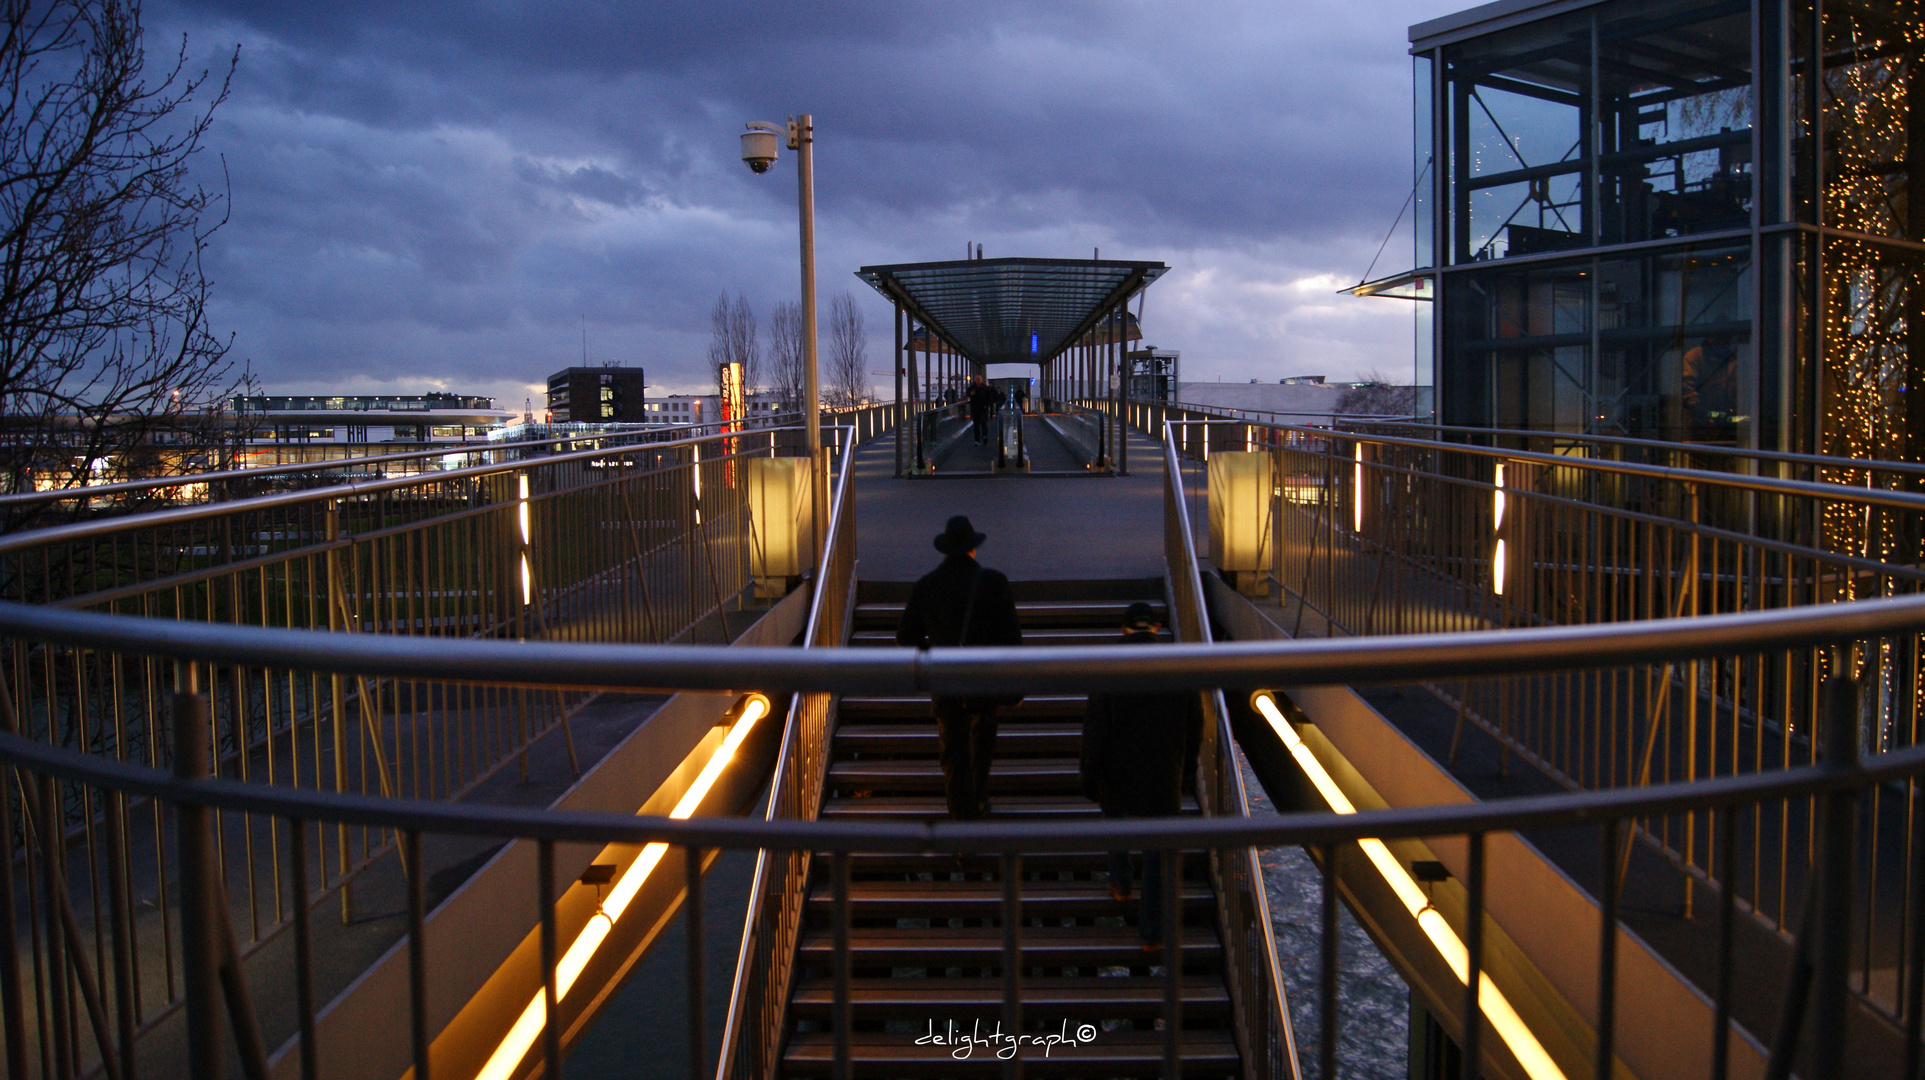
(1726, 823)
(11, 1000)
(839, 872)
(1012, 871)
(545, 901)
(200, 948)
(1915, 960)
(697, 997)
(417, 952)
(1607, 951)
(303, 950)
(1171, 871)
(1474, 954)
(1327, 971)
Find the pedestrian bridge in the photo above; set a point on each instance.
(413, 777)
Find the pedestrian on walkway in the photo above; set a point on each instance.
(982, 401)
(1137, 750)
(962, 602)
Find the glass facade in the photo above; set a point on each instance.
(1633, 230)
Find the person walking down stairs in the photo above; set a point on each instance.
(962, 602)
(1137, 749)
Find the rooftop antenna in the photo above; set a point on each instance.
(585, 343)
(1096, 255)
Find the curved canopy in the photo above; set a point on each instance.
(1011, 311)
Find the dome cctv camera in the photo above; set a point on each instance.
(759, 145)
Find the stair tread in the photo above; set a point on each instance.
(922, 771)
(1206, 1047)
(987, 941)
(1002, 806)
(934, 894)
(1037, 991)
(926, 729)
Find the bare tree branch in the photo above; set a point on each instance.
(848, 376)
(108, 367)
(784, 354)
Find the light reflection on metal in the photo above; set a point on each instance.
(521, 1038)
(1496, 1007)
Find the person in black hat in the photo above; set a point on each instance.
(962, 602)
(1137, 750)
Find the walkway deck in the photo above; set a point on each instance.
(1039, 528)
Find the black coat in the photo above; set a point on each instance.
(983, 400)
(934, 614)
(1137, 748)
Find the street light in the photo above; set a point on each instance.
(759, 153)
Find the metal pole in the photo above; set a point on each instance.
(802, 140)
(1831, 966)
(895, 361)
(200, 942)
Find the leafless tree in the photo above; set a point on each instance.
(848, 374)
(732, 338)
(784, 355)
(1375, 395)
(108, 367)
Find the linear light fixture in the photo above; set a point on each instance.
(1496, 1007)
(521, 1037)
(527, 534)
(1498, 506)
(1357, 489)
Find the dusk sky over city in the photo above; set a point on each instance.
(442, 197)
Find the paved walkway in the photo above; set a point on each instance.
(1040, 528)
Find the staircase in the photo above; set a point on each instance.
(926, 931)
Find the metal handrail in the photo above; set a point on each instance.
(1762, 484)
(122, 487)
(1515, 814)
(1264, 1027)
(765, 959)
(103, 526)
(978, 669)
(1823, 461)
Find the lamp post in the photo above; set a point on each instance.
(759, 152)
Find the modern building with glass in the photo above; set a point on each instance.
(1673, 219)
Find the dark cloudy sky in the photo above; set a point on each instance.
(440, 196)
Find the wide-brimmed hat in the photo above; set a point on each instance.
(1140, 616)
(959, 536)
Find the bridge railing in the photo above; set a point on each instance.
(1381, 533)
(634, 543)
(765, 967)
(80, 995)
(1252, 966)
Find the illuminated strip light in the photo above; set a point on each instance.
(521, 1037)
(1357, 489)
(1498, 505)
(527, 571)
(1495, 1006)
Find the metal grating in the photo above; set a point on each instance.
(1011, 311)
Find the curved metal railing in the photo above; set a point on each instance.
(1362, 660)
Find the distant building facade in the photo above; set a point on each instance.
(292, 430)
(1625, 223)
(598, 395)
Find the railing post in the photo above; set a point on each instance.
(1837, 867)
(199, 891)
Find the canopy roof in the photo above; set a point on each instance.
(1011, 311)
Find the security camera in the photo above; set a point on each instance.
(759, 145)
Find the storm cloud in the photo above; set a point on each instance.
(452, 196)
